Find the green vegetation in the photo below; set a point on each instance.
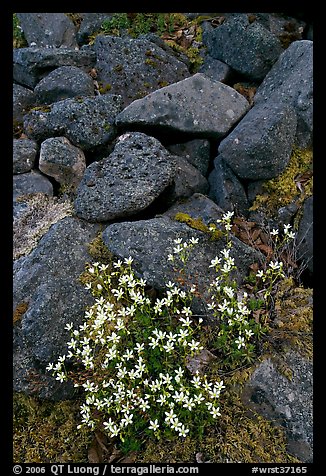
(178, 32)
(19, 40)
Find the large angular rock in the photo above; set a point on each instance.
(197, 105)
(248, 48)
(259, 147)
(47, 282)
(48, 29)
(63, 83)
(31, 182)
(216, 69)
(24, 155)
(22, 100)
(197, 206)
(127, 182)
(150, 241)
(291, 81)
(32, 64)
(286, 402)
(226, 189)
(62, 161)
(86, 122)
(135, 67)
(304, 238)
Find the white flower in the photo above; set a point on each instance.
(240, 342)
(129, 260)
(260, 274)
(194, 345)
(61, 376)
(275, 265)
(175, 424)
(177, 249)
(199, 398)
(186, 322)
(143, 405)
(286, 229)
(249, 332)
(177, 241)
(274, 232)
(153, 342)
(128, 354)
(154, 425)
(49, 367)
(186, 311)
(194, 241)
(183, 431)
(140, 347)
(189, 404)
(69, 326)
(168, 347)
(215, 262)
(178, 396)
(161, 399)
(170, 416)
(229, 291)
(170, 257)
(215, 412)
(91, 270)
(117, 264)
(127, 420)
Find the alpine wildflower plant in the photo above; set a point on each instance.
(130, 355)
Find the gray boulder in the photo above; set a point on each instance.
(47, 281)
(286, 402)
(24, 155)
(215, 69)
(62, 161)
(135, 67)
(91, 22)
(22, 100)
(31, 182)
(86, 122)
(197, 105)
(127, 182)
(196, 152)
(291, 81)
(150, 242)
(197, 206)
(48, 29)
(30, 65)
(248, 48)
(226, 189)
(259, 147)
(62, 83)
(304, 238)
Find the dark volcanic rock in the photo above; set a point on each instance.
(22, 100)
(248, 48)
(127, 182)
(291, 81)
(24, 155)
(62, 161)
(48, 29)
(286, 402)
(86, 122)
(135, 67)
(259, 147)
(31, 182)
(91, 22)
(197, 206)
(196, 105)
(187, 181)
(226, 189)
(215, 69)
(47, 280)
(33, 64)
(196, 152)
(150, 242)
(62, 83)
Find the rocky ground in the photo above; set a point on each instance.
(117, 134)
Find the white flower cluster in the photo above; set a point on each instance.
(131, 349)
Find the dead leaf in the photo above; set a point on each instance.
(129, 458)
(199, 361)
(267, 250)
(94, 452)
(199, 458)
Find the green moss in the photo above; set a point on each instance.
(151, 62)
(46, 432)
(105, 88)
(198, 224)
(292, 327)
(18, 40)
(98, 251)
(283, 190)
(41, 108)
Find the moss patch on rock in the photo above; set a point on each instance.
(198, 224)
(293, 185)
